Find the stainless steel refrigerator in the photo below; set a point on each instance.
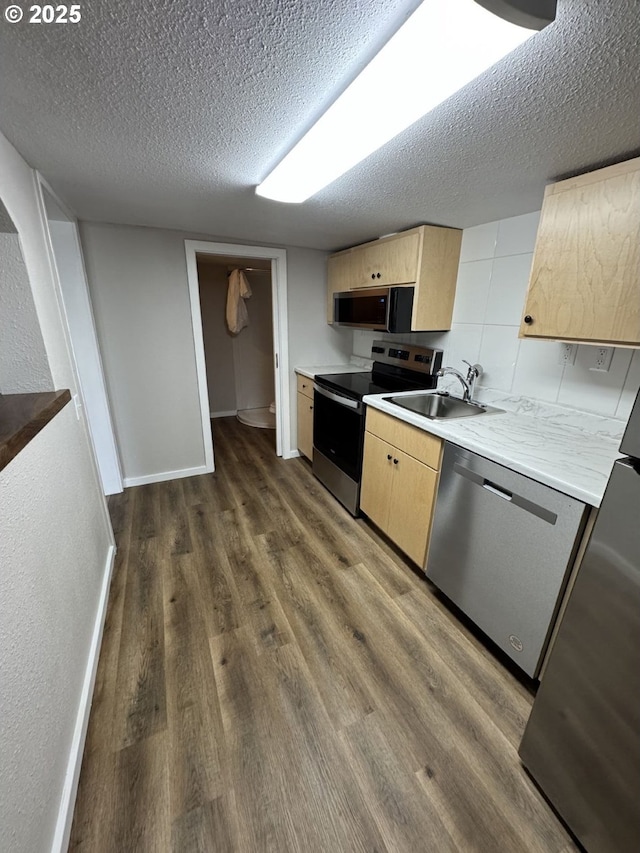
(582, 741)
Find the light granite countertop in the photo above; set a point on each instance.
(570, 450)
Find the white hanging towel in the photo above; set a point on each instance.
(239, 290)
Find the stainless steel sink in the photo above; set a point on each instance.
(438, 405)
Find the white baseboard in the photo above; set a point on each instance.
(69, 790)
(166, 475)
(231, 414)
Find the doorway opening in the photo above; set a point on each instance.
(244, 374)
(240, 376)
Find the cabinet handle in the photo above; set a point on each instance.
(389, 457)
(395, 461)
(528, 319)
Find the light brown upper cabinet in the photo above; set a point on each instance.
(339, 277)
(426, 257)
(585, 278)
(392, 260)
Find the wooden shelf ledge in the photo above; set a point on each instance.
(22, 416)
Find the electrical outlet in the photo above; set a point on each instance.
(601, 359)
(567, 354)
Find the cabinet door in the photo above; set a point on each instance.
(586, 268)
(339, 278)
(393, 261)
(377, 473)
(412, 500)
(305, 425)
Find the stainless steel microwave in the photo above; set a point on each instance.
(383, 309)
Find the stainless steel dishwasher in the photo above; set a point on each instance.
(500, 549)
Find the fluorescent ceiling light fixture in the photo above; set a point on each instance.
(439, 49)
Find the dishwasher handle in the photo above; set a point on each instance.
(513, 498)
(496, 490)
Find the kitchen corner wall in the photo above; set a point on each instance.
(495, 262)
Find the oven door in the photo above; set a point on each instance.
(338, 423)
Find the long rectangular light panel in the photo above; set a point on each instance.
(443, 46)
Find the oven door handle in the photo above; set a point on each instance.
(339, 398)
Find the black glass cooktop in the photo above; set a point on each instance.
(358, 385)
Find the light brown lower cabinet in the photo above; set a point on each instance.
(398, 492)
(305, 425)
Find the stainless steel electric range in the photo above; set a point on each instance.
(338, 411)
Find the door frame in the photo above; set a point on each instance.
(278, 258)
(90, 382)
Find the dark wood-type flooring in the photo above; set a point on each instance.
(273, 677)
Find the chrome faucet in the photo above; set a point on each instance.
(468, 383)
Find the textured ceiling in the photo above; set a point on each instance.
(168, 112)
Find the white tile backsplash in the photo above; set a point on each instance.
(472, 291)
(630, 388)
(517, 235)
(494, 270)
(362, 340)
(463, 342)
(538, 372)
(479, 242)
(593, 390)
(498, 356)
(509, 281)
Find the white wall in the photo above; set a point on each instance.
(312, 341)
(84, 345)
(494, 272)
(18, 191)
(54, 548)
(23, 360)
(138, 282)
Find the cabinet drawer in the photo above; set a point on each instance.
(421, 445)
(305, 386)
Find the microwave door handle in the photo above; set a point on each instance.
(338, 398)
